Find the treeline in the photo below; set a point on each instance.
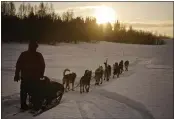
(41, 23)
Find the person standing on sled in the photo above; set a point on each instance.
(31, 65)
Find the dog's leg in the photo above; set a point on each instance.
(120, 71)
(101, 80)
(63, 83)
(72, 86)
(89, 87)
(107, 76)
(83, 89)
(95, 81)
(69, 87)
(86, 88)
(117, 75)
(98, 80)
(104, 77)
(66, 86)
(80, 88)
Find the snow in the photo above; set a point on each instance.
(145, 91)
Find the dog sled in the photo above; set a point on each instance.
(50, 97)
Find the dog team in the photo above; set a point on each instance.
(100, 75)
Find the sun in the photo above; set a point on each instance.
(105, 14)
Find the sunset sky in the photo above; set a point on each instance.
(153, 16)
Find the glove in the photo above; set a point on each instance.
(16, 78)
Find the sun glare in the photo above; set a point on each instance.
(105, 14)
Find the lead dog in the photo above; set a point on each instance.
(126, 65)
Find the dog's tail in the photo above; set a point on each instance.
(65, 71)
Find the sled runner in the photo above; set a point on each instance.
(48, 107)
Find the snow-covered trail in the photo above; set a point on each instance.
(145, 91)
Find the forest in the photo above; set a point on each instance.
(42, 23)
